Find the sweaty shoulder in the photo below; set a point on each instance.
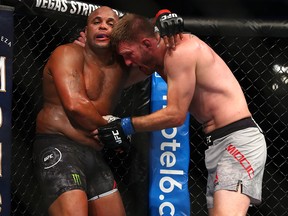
(186, 50)
(189, 44)
(65, 56)
(193, 47)
(69, 50)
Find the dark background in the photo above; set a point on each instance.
(251, 58)
(275, 10)
(238, 9)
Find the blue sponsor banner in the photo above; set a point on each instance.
(169, 161)
(6, 58)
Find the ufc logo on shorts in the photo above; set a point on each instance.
(116, 137)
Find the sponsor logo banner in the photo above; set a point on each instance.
(6, 58)
(169, 161)
(6, 44)
(63, 7)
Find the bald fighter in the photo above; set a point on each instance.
(80, 85)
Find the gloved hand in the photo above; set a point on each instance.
(117, 133)
(168, 24)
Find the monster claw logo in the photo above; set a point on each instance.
(76, 178)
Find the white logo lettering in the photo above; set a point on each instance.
(2, 74)
(116, 137)
(1, 117)
(208, 139)
(166, 204)
(57, 5)
(169, 16)
(6, 41)
(48, 157)
(168, 160)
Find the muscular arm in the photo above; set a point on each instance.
(66, 67)
(181, 80)
(181, 85)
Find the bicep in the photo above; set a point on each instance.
(181, 84)
(67, 75)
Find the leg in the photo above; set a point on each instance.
(109, 205)
(238, 165)
(70, 203)
(229, 203)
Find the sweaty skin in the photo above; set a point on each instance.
(198, 82)
(82, 84)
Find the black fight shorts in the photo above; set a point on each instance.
(61, 165)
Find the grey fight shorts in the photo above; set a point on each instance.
(61, 165)
(235, 159)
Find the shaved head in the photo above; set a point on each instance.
(103, 10)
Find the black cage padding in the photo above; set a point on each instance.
(255, 50)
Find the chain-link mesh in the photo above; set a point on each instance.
(260, 64)
(35, 38)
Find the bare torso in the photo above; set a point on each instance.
(103, 85)
(218, 98)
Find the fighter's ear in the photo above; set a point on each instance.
(146, 42)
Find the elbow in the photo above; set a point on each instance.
(74, 108)
(177, 120)
(176, 116)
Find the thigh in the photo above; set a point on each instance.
(70, 203)
(58, 168)
(109, 205)
(240, 161)
(230, 203)
(100, 179)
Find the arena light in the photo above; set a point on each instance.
(283, 72)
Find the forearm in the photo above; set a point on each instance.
(158, 120)
(116, 132)
(87, 122)
(85, 116)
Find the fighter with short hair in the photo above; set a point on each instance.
(201, 83)
(80, 86)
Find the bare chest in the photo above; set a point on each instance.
(103, 82)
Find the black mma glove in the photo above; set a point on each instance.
(116, 134)
(168, 24)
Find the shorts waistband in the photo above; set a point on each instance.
(230, 128)
(45, 136)
(46, 139)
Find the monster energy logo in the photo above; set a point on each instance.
(76, 178)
